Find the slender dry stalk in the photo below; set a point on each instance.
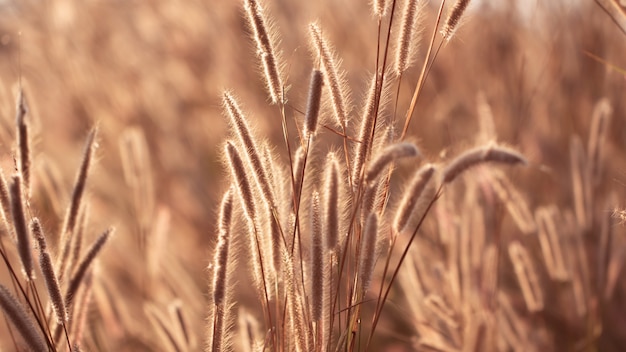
(454, 19)
(75, 204)
(613, 271)
(436, 305)
(21, 229)
(600, 124)
(135, 156)
(527, 277)
(580, 184)
(551, 244)
(509, 323)
(161, 323)
(514, 201)
(604, 250)
(313, 104)
(412, 196)
(389, 155)
(50, 178)
(81, 311)
(453, 251)
(176, 310)
(479, 155)
(23, 141)
(485, 119)
(77, 245)
(334, 78)
(50, 277)
(408, 43)
(22, 321)
(265, 49)
(248, 327)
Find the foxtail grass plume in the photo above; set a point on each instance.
(331, 202)
(50, 277)
(408, 43)
(312, 111)
(23, 323)
(21, 229)
(84, 265)
(71, 215)
(367, 254)
(23, 142)
(247, 142)
(265, 49)
(334, 77)
(379, 7)
(387, 156)
(479, 155)
(454, 19)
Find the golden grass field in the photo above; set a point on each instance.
(128, 129)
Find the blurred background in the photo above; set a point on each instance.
(150, 75)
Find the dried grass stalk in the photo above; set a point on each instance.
(50, 178)
(600, 123)
(580, 184)
(515, 203)
(527, 277)
(489, 273)
(551, 244)
(81, 311)
(485, 119)
(161, 323)
(616, 263)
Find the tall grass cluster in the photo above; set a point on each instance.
(396, 175)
